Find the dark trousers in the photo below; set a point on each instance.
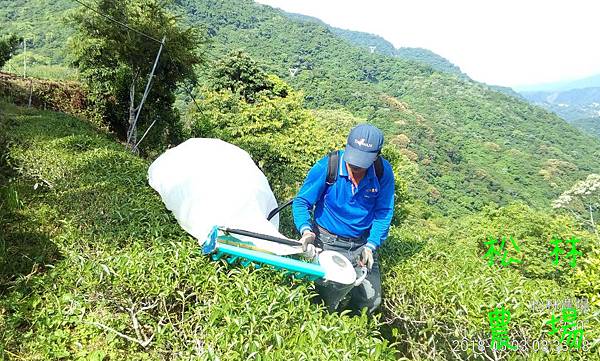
(367, 294)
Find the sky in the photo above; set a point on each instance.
(508, 42)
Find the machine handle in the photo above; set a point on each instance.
(364, 270)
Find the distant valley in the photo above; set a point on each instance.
(571, 104)
(577, 102)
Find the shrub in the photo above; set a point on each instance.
(8, 45)
(67, 97)
(439, 288)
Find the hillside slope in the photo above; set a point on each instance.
(473, 145)
(588, 125)
(382, 46)
(92, 266)
(40, 24)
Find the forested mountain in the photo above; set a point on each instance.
(507, 91)
(589, 125)
(430, 58)
(378, 44)
(382, 46)
(41, 25)
(472, 145)
(571, 104)
(366, 41)
(578, 102)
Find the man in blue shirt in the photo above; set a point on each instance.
(352, 215)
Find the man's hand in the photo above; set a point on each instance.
(366, 258)
(308, 246)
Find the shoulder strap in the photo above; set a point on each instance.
(379, 167)
(333, 159)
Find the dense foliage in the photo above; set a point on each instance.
(582, 200)
(39, 25)
(588, 125)
(265, 116)
(42, 27)
(470, 142)
(8, 45)
(64, 96)
(467, 139)
(115, 63)
(78, 206)
(430, 58)
(439, 288)
(368, 41)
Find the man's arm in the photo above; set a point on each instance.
(309, 193)
(384, 209)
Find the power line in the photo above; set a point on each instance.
(118, 22)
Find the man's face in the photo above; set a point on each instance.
(357, 170)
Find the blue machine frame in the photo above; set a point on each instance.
(299, 269)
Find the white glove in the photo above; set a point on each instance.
(366, 258)
(308, 246)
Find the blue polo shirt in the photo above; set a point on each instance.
(343, 209)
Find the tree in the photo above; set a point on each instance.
(240, 74)
(8, 45)
(116, 60)
(582, 200)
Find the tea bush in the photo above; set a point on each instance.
(94, 267)
(66, 96)
(107, 273)
(439, 288)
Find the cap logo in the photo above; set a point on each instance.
(362, 142)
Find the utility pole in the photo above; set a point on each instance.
(24, 58)
(131, 133)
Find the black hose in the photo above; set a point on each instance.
(266, 237)
(278, 209)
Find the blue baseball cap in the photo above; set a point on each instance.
(363, 146)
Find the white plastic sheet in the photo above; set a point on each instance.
(207, 182)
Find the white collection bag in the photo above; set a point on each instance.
(208, 182)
